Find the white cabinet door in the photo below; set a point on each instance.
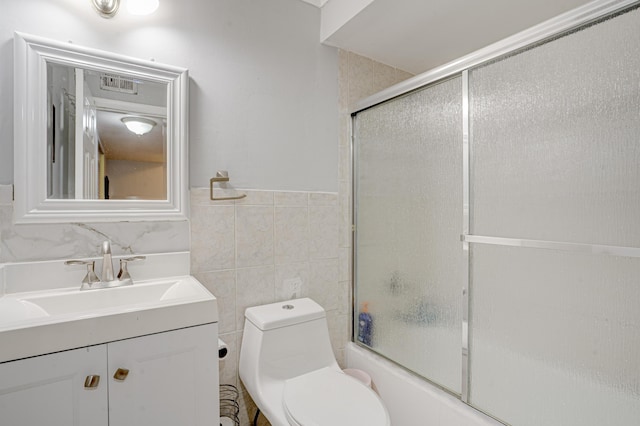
(50, 390)
(172, 379)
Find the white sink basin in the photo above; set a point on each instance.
(15, 311)
(133, 297)
(39, 322)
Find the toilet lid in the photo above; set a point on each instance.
(328, 397)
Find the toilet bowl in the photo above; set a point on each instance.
(288, 368)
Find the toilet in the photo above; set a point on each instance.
(288, 368)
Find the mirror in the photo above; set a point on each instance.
(97, 136)
(106, 135)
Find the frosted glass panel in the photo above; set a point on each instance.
(556, 151)
(555, 337)
(409, 264)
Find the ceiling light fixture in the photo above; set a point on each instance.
(109, 8)
(138, 125)
(142, 7)
(106, 8)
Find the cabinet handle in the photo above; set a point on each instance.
(121, 374)
(91, 382)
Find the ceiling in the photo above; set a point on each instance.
(119, 143)
(418, 35)
(149, 100)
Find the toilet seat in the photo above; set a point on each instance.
(328, 397)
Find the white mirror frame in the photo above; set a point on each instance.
(31, 54)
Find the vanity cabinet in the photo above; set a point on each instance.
(168, 378)
(49, 389)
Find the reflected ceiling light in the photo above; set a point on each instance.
(106, 8)
(142, 7)
(138, 125)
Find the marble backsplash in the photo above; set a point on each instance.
(32, 242)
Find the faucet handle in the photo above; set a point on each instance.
(91, 276)
(124, 272)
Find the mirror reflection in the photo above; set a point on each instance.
(106, 135)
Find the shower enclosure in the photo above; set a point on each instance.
(497, 226)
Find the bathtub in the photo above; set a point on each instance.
(410, 400)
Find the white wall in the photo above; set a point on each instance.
(144, 180)
(263, 92)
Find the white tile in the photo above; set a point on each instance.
(383, 76)
(343, 80)
(324, 286)
(261, 198)
(254, 286)
(212, 238)
(345, 264)
(291, 234)
(222, 284)
(344, 215)
(337, 329)
(291, 198)
(344, 162)
(323, 232)
(323, 199)
(402, 75)
(360, 78)
(344, 138)
(292, 271)
(254, 235)
(344, 297)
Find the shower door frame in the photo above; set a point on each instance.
(529, 38)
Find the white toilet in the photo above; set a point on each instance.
(287, 365)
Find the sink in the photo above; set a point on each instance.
(134, 297)
(45, 321)
(15, 311)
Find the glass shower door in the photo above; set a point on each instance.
(409, 264)
(546, 156)
(555, 293)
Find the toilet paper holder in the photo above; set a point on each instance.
(223, 350)
(222, 176)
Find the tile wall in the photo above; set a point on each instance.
(245, 251)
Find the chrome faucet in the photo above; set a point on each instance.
(107, 263)
(92, 281)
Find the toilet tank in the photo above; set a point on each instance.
(285, 339)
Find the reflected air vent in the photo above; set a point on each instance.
(117, 83)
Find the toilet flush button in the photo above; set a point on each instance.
(287, 307)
